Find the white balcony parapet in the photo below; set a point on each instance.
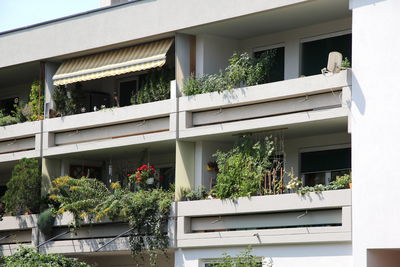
(15, 231)
(136, 124)
(20, 140)
(281, 103)
(278, 219)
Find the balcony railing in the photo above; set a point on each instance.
(277, 219)
(274, 104)
(20, 140)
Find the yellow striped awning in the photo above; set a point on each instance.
(116, 62)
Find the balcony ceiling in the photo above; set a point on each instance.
(281, 19)
(19, 74)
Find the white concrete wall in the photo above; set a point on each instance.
(317, 255)
(375, 127)
(114, 25)
(213, 52)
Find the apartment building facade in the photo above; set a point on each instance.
(323, 125)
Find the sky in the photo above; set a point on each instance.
(19, 13)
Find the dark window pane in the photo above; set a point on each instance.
(126, 90)
(8, 105)
(278, 63)
(315, 53)
(327, 160)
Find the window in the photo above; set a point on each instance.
(278, 63)
(126, 90)
(315, 53)
(322, 167)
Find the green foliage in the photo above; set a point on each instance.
(78, 196)
(7, 119)
(346, 63)
(23, 190)
(154, 87)
(340, 182)
(68, 101)
(29, 257)
(46, 220)
(146, 211)
(189, 195)
(243, 168)
(36, 101)
(242, 71)
(243, 259)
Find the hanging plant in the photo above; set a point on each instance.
(146, 177)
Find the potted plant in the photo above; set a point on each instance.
(145, 177)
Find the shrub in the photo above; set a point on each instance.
(23, 190)
(243, 259)
(7, 119)
(46, 220)
(29, 257)
(155, 86)
(243, 168)
(242, 71)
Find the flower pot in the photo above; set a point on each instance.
(150, 180)
(350, 185)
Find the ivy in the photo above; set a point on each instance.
(29, 257)
(146, 211)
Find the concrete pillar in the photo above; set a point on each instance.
(185, 48)
(292, 59)
(185, 166)
(50, 70)
(51, 169)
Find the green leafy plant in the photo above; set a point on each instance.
(243, 259)
(243, 168)
(189, 195)
(7, 119)
(242, 71)
(68, 101)
(146, 211)
(346, 63)
(23, 190)
(155, 86)
(46, 221)
(36, 101)
(341, 182)
(29, 257)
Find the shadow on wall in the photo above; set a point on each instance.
(361, 3)
(357, 95)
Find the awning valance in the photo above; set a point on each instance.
(116, 62)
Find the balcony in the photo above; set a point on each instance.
(15, 231)
(20, 140)
(114, 127)
(272, 105)
(279, 219)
